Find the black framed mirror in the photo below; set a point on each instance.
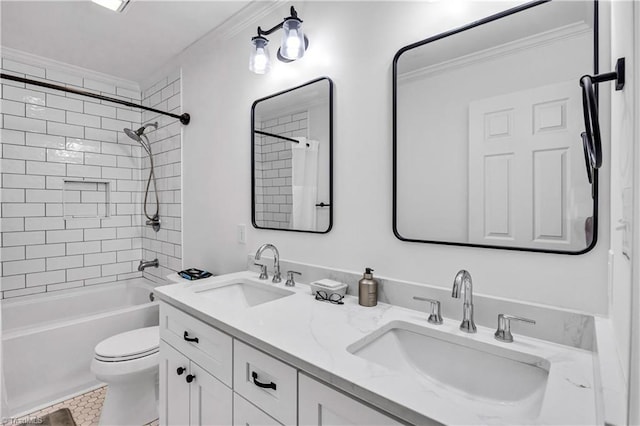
(487, 123)
(292, 159)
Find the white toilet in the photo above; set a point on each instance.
(128, 363)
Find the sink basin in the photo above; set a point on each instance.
(504, 381)
(243, 293)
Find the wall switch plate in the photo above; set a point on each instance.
(242, 233)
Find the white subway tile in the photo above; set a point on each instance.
(64, 285)
(12, 107)
(43, 223)
(129, 255)
(22, 210)
(64, 77)
(116, 221)
(26, 124)
(113, 245)
(65, 130)
(44, 195)
(45, 141)
(101, 280)
(83, 247)
(99, 234)
(83, 223)
(20, 152)
(15, 137)
(116, 149)
(53, 209)
(100, 86)
(128, 232)
(11, 224)
(23, 95)
(64, 103)
(12, 283)
(116, 173)
(100, 159)
(12, 253)
(117, 268)
(64, 262)
(11, 65)
(83, 119)
(116, 125)
(128, 93)
(11, 195)
(12, 166)
(83, 171)
(99, 258)
(64, 156)
(64, 236)
(44, 278)
(99, 110)
(85, 145)
(46, 169)
(83, 273)
(101, 135)
(23, 266)
(129, 115)
(45, 113)
(23, 292)
(45, 250)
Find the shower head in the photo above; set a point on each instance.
(136, 134)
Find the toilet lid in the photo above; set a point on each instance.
(129, 345)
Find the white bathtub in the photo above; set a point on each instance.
(48, 339)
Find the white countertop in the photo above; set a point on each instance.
(313, 336)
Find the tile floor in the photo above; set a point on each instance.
(85, 408)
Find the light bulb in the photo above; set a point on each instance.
(292, 46)
(259, 61)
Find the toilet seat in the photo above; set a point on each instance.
(128, 346)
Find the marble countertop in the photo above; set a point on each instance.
(313, 336)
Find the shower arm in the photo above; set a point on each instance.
(184, 118)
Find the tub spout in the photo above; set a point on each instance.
(147, 263)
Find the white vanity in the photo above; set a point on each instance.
(243, 351)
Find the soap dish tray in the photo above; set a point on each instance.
(328, 287)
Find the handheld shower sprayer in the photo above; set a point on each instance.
(141, 138)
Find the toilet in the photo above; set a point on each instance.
(128, 363)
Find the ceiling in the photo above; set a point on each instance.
(129, 45)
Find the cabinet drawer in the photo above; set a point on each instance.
(200, 342)
(268, 383)
(247, 414)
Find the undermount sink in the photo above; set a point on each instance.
(503, 380)
(243, 293)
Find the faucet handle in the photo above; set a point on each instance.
(435, 316)
(503, 333)
(290, 280)
(263, 271)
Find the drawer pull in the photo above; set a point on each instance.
(180, 370)
(262, 385)
(190, 378)
(190, 339)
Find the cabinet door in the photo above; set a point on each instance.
(320, 405)
(247, 414)
(211, 400)
(174, 389)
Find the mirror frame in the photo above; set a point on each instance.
(253, 154)
(454, 31)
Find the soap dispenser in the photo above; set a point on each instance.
(368, 289)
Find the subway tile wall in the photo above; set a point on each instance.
(274, 198)
(166, 146)
(47, 137)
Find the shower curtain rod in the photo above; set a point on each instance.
(184, 118)
(273, 135)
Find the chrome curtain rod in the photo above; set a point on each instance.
(273, 135)
(184, 118)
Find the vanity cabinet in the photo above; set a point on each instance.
(189, 395)
(319, 404)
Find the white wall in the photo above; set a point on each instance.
(353, 43)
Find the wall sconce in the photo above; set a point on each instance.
(293, 45)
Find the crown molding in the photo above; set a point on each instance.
(31, 59)
(510, 48)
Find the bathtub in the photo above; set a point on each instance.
(48, 339)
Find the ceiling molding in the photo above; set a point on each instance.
(52, 64)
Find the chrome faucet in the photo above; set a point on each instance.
(462, 282)
(147, 263)
(276, 260)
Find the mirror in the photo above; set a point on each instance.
(487, 123)
(291, 156)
